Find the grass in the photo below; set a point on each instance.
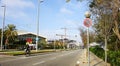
(14, 53)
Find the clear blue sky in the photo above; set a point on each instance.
(54, 15)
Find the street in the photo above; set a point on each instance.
(63, 58)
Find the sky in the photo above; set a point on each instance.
(54, 15)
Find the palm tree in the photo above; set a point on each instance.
(10, 33)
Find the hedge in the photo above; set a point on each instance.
(113, 57)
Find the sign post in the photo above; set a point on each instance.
(88, 23)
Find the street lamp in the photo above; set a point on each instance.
(39, 1)
(3, 26)
(87, 14)
(88, 23)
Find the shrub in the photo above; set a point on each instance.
(98, 51)
(113, 57)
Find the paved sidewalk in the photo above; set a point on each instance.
(94, 60)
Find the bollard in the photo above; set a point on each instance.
(78, 63)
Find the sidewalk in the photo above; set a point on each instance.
(94, 60)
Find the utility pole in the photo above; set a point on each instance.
(3, 27)
(39, 1)
(88, 23)
(65, 29)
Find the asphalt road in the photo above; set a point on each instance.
(64, 58)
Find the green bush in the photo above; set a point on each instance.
(98, 51)
(113, 57)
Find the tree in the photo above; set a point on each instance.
(83, 35)
(10, 33)
(42, 43)
(108, 12)
(106, 15)
(92, 36)
(108, 7)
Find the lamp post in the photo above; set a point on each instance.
(88, 23)
(3, 26)
(64, 39)
(39, 1)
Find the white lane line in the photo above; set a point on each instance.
(39, 63)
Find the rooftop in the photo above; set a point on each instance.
(21, 32)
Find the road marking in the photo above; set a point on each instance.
(38, 63)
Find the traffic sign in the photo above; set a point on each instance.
(87, 22)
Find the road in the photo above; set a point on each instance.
(63, 58)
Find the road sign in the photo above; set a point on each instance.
(87, 22)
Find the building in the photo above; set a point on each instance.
(72, 44)
(29, 38)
